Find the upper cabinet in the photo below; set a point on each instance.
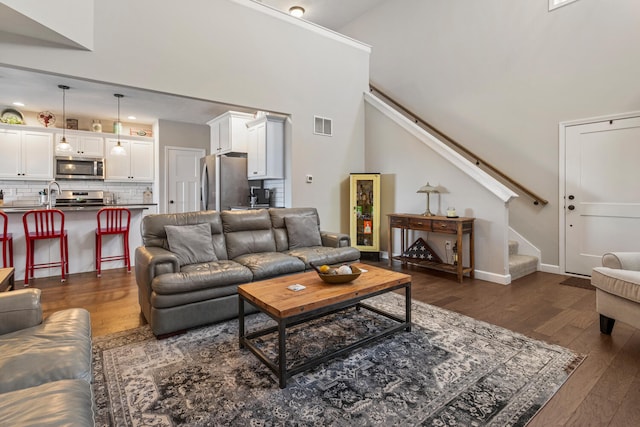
(265, 148)
(136, 165)
(83, 145)
(229, 132)
(26, 154)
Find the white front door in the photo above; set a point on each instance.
(602, 191)
(183, 179)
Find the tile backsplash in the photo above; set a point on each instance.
(27, 191)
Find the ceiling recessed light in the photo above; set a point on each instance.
(18, 104)
(131, 117)
(296, 11)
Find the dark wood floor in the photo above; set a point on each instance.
(603, 391)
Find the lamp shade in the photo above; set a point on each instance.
(427, 189)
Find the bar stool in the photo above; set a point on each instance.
(7, 241)
(41, 224)
(113, 221)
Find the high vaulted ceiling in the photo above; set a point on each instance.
(40, 92)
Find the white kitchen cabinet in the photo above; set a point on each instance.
(26, 154)
(265, 148)
(229, 132)
(89, 146)
(136, 165)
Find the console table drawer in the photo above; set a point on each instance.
(399, 222)
(420, 224)
(445, 226)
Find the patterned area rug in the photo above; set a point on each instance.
(450, 370)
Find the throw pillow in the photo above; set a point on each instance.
(302, 231)
(192, 244)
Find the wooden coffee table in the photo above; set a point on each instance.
(289, 308)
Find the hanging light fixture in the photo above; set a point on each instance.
(63, 145)
(118, 149)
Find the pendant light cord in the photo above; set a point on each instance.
(64, 111)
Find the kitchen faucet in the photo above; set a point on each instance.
(50, 200)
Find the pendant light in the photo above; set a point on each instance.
(63, 146)
(118, 149)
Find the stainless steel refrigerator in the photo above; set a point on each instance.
(223, 182)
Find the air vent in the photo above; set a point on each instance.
(323, 126)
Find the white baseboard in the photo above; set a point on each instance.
(549, 268)
(501, 279)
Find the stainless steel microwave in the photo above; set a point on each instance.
(78, 168)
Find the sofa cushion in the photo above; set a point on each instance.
(302, 231)
(319, 255)
(270, 264)
(154, 233)
(247, 232)
(191, 243)
(59, 403)
(278, 216)
(57, 349)
(195, 277)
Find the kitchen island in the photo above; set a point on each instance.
(80, 223)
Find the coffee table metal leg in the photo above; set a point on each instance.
(407, 306)
(282, 354)
(241, 321)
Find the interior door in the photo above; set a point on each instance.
(183, 179)
(602, 192)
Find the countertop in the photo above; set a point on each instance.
(238, 208)
(21, 208)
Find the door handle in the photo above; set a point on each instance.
(170, 202)
(571, 207)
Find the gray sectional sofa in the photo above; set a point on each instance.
(191, 264)
(45, 365)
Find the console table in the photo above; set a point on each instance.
(434, 224)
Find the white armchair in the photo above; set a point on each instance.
(617, 285)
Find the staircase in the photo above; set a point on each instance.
(520, 265)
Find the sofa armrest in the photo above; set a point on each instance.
(622, 260)
(335, 240)
(152, 261)
(19, 309)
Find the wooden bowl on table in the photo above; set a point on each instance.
(335, 278)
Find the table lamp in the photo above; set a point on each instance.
(427, 189)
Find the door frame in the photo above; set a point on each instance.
(168, 148)
(562, 176)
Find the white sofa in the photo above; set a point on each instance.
(617, 285)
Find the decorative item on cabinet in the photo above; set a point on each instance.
(72, 124)
(47, 118)
(364, 223)
(96, 126)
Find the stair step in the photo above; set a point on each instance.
(521, 265)
(513, 247)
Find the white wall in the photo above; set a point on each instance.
(222, 51)
(408, 166)
(499, 76)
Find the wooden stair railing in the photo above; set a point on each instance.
(459, 147)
